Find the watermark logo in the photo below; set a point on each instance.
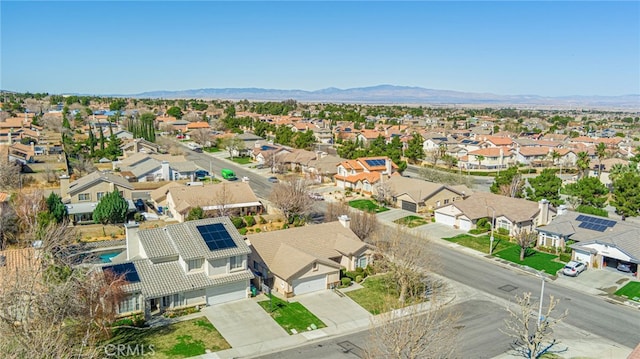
(129, 350)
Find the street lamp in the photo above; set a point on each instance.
(539, 274)
(493, 221)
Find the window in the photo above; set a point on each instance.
(84, 197)
(131, 304)
(235, 262)
(361, 262)
(99, 195)
(446, 201)
(178, 300)
(195, 264)
(315, 266)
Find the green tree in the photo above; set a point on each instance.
(304, 140)
(101, 140)
(545, 186)
(112, 208)
(415, 150)
(378, 146)
(56, 208)
(195, 213)
(118, 105)
(284, 134)
(626, 194)
(113, 150)
(583, 163)
(480, 158)
(588, 191)
(175, 111)
(601, 152)
(230, 111)
(507, 183)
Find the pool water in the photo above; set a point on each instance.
(106, 258)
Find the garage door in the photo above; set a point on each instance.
(409, 206)
(227, 293)
(311, 284)
(445, 219)
(465, 224)
(583, 257)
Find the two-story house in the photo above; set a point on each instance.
(82, 195)
(362, 173)
(196, 263)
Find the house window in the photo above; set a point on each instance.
(315, 266)
(195, 264)
(99, 195)
(361, 262)
(178, 300)
(446, 201)
(235, 262)
(131, 304)
(84, 197)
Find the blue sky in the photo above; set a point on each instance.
(541, 48)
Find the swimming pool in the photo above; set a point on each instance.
(106, 258)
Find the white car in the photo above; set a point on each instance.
(573, 268)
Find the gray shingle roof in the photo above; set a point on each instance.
(95, 177)
(157, 244)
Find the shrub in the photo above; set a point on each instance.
(565, 257)
(359, 279)
(262, 220)
(249, 220)
(242, 231)
(258, 230)
(503, 231)
(483, 223)
(138, 217)
(238, 222)
(592, 210)
(123, 322)
(345, 281)
(351, 275)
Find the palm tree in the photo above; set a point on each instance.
(583, 163)
(480, 158)
(555, 155)
(601, 152)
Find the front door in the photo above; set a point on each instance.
(153, 304)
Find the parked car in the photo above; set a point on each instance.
(140, 205)
(624, 267)
(316, 196)
(201, 174)
(273, 179)
(573, 268)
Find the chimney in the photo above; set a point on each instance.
(33, 147)
(543, 216)
(64, 186)
(166, 173)
(10, 135)
(345, 221)
(387, 163)
(562, 209)
(133, 240)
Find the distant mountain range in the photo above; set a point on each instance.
(390, 94)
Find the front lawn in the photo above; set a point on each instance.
(240, 160)
(481, 243)
(291, 315)
(177, 340)
(367, 205)
(376, 295)
(211, 149)
(411, 221)
(630, 291)
(534, 259)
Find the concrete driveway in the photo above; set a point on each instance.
(596, 281)
(334, 310)
(244, 322)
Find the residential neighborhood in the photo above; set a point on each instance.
(197, 215)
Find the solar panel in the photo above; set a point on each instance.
(609, 223)
(374, 163)
(593, 226)
(600, 221)
(128, 270)
(216, 236)
(581, 218)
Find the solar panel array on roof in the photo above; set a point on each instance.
(128, 270)
(374, 163)
(596, 220)
(593, 226)
(216, 236)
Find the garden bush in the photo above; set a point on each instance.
(242, 231)
(592, 210)
(565, 257)
(345, 281)
(249, 220)
(238, 222)
(262, 220)
(358, 279)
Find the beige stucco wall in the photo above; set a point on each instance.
(100, 187)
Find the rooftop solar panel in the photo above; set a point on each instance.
(593, 226)
(581, 218)
(128, 270)
(216, 236)
(595, 220)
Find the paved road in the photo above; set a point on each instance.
(479, 326)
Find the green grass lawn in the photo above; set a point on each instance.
(291, 315)
(211, 149)
(376, 295)
(481, 243)
(411, 221)
(537, 260)
(367, 205)
(178, 340)
(240, 160)
(630, 291)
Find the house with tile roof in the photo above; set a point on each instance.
(22, 153)
(596, 241)
(190, 264)
(307, 259)
(511, 214)
(235, 198)
(362, 173)
(143, 167)
(82, 195)
(419, 196)
(492, 158)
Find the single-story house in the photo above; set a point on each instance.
(417, 195)
(307, 259)
(511, 214)
(196, 263)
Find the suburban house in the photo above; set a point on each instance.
(596, 241)
(418, 196)
(143, 167)
(323, 168)
(490, 158)
(231, 197)
(139, 145)
(196, 263)
(268, 155)
(306, 259)
(82, 195)
(362, 173)
(159, 196)
(22, 153)
(511, 214)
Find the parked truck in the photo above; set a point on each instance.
(228, 174)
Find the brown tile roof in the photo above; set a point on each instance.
(17, 261)
(371, 177)
(196, 125)
(516, 209)
(289, 251)
(491, 152)
(186, 197)
(534, 151)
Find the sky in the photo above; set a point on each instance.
(545, 48)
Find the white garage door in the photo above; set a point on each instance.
(445, 219)
(465, 224)
(311, 284)
(583, 257)
(227, 293)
